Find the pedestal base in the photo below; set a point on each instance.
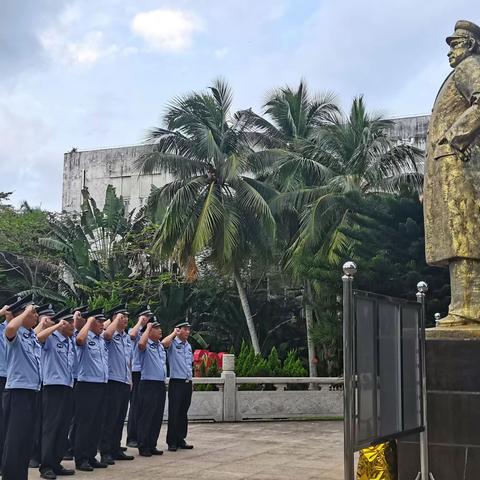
(453, 386)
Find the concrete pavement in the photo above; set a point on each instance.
(249, 450)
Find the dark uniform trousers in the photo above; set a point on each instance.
(19, 410)
(57, 404)
(3, 380)
(151, 404)
(71, 429)
(89, 400)
(179, 399)
(133, 411)
(37, 429)
(114, 414)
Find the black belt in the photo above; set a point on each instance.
(182, 380)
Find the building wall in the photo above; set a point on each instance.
(96, 169)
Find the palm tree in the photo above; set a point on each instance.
(352, 156)
(295, 117)
(213, 207)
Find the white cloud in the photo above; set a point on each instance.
(167, 30)
(221, 52)
(85, 51)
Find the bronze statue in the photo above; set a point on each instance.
(452, 177)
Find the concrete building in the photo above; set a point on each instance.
(98, 168)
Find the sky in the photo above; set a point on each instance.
(98, 73)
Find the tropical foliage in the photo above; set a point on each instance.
(248, 237)
(214, 207)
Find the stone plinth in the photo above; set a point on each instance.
(453, 386)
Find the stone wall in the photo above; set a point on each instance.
(96, 169)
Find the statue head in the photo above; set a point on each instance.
(464, 42)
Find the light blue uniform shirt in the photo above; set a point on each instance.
(153, 362)
(180, 359)
(58, 359)
(119, 357)
(3, 350)
(93, 360)
(75, 364)
(24, 369)
(136, 360)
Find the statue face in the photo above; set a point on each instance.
(460, 48)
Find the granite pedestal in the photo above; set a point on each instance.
(453, 386)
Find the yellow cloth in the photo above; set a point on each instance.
(378, 462)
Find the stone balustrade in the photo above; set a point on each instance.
(324, 397)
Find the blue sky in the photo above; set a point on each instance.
(91, 73)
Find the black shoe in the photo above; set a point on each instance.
(62, 471)
(96, 464)
(67, 457)
(144, 453)
(123, 449)
(155, 451)
(123, 456)
(33, 463)
(108, 459)
(172, 448)
(84, 467)
(132, 444)
(185, 446)
(48, 474)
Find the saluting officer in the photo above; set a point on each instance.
(119, 346)
(90, 391)
(180, 362)
(79, 320)
(151, 390)
(4, 313)
(21, 389)
(58, 359)
(144, 315)
(45, 313)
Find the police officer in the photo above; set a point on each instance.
(90, 391)
(21, 389)
(180, 362)
(45, 312)
(79, 320)
(58, 359)
(4, 313)
(144, 315)
(119, 346)
(151, 390)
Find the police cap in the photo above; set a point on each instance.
(144, 310)
(21, 304)
(81, 309)
(62, 313)
(46, 309)
(11, 300)
(118, 309)
(98, 313)
(183, 324)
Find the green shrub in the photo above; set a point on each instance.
(248, 364)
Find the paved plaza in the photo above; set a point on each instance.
(234, 451)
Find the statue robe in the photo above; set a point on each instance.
(451, 194)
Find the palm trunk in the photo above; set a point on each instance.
(312, 366)
(246, 311)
